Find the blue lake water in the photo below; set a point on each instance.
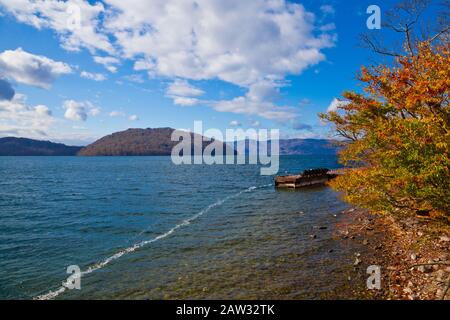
(143, 228)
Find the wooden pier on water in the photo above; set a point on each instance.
(308, 178)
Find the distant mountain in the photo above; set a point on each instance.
(135, 142)
(299, 146)
(308, 146)
(145, 142)
(11, 146)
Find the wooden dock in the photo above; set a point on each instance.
(308, 178)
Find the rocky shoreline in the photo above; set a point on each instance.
(414, 255)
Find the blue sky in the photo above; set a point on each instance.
(83, 69)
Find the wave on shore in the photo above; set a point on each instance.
(55, 293)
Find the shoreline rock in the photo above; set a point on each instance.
(414, 257)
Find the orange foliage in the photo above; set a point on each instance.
(399, 135)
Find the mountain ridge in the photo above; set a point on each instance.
(297, 146)
(14, 146)
(146, 142)
(139, 142)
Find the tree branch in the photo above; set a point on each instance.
(375, 48)
(438, 34)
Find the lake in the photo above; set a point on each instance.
(144, 228)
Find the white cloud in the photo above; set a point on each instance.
(116, 113)
(20, 119)
(75, 111)
(265, 109)
(235, 123)
(255, 124)
(108, 62)
(335, 104)
(110, 68)
(43, 110)
(327, 9)
(76, 22)
(244, 43)
(93, 76)
(182, 88)
(328, 27)
(258, 100)
(236, 41)
(31, 69)
(186, 101)
(79, 128)
(183, 93)
(79, 110)
(136, 78)
(144, 64)
(93, 110)
(17, 118)
(304, 102)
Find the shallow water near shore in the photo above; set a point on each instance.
(143, 228)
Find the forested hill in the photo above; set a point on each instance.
(11, 146)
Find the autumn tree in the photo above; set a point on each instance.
(397, 132)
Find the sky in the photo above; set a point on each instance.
(74, 71)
